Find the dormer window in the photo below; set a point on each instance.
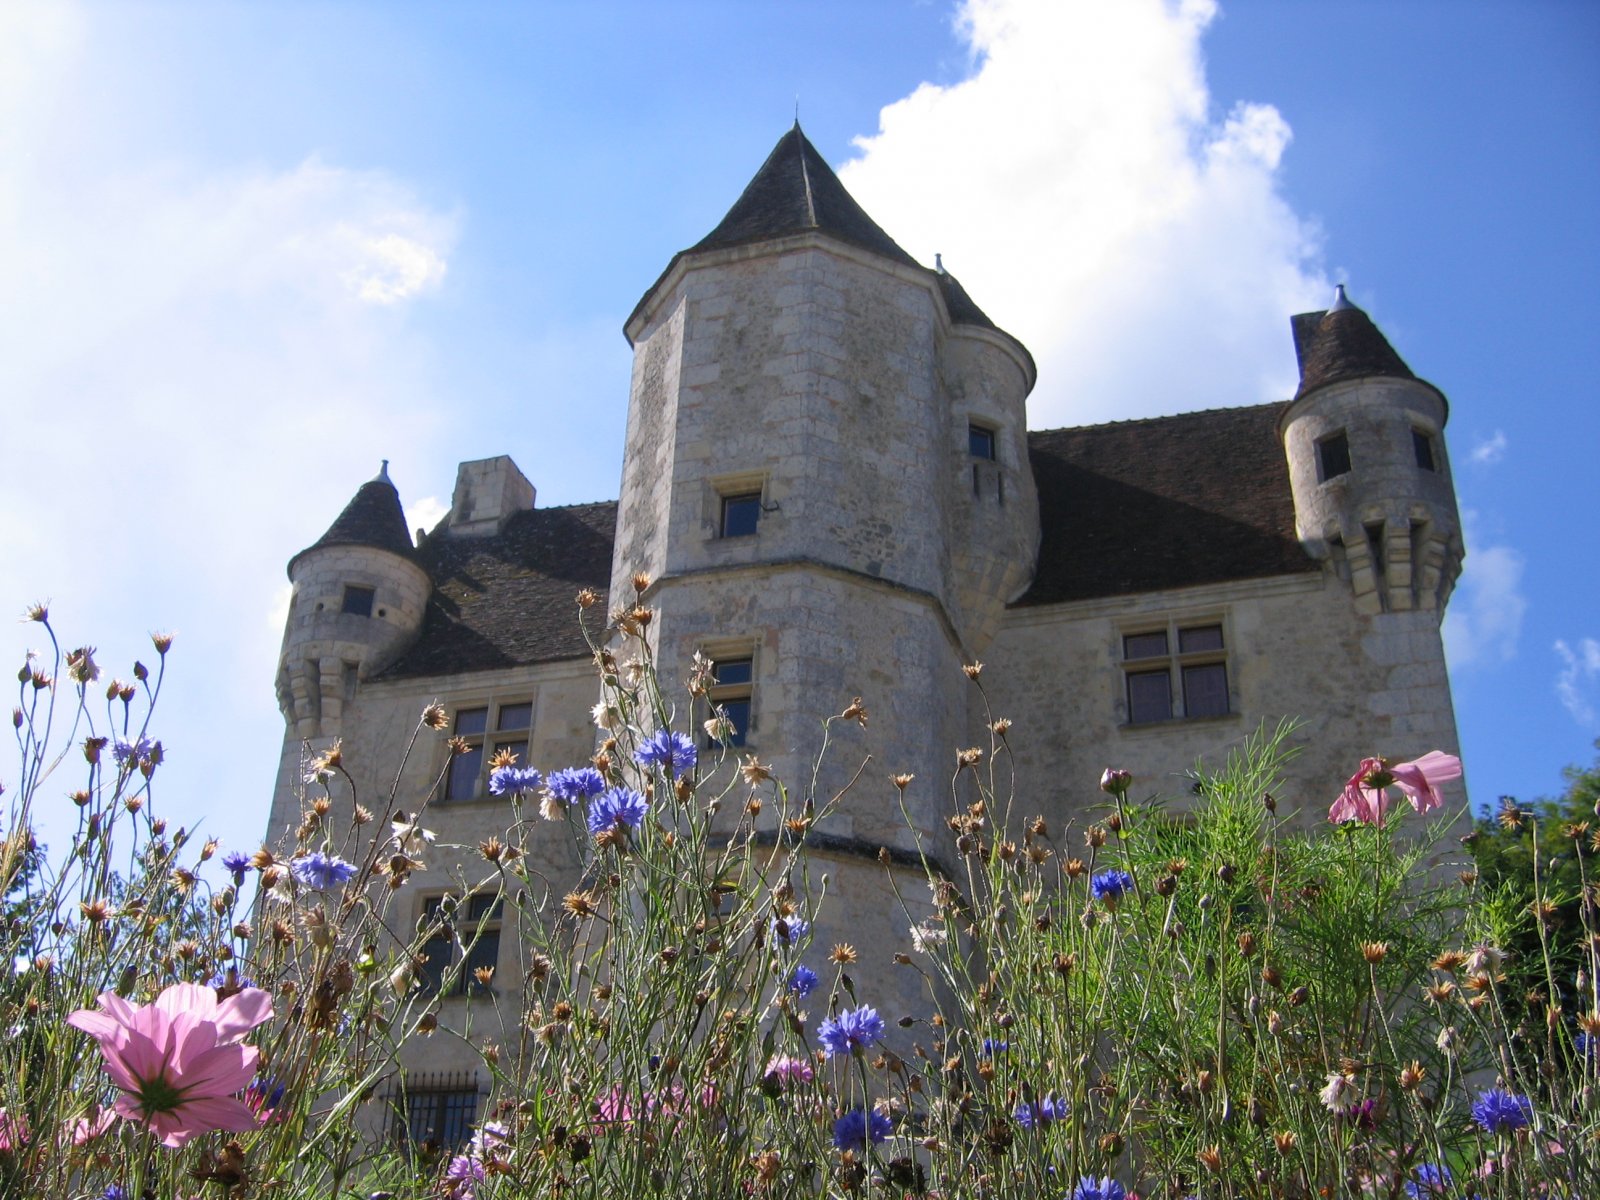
(1333, 456)
(357, 601)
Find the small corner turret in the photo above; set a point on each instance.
(358, 599)
(1364, 438)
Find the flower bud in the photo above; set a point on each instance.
(1114, 782)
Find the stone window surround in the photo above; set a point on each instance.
(1174, 663)
(733, 486)
(478, 922)
(734, 650)
(1333, 451)
(437, 1104)
(494, 735)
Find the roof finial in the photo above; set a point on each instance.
(383, 474)
(938, 262)
(797, 110)
(1340, 300)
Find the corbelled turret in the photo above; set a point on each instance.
(358, 601)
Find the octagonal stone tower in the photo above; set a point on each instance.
(827, 480)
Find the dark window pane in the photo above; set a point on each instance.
(740, 514)
(733, 670)
(514, 716)
(519, 748)
(1145, 645)
(1205, 690)
(483, 905)
(484, 953)
(1149, 697)
(1333, 455)
(980, 442)
(738, 714)
(1423, 445)
(436, 956)
(442, 1117)
(1201, 637)
(462, 781)
(472, 720)
(357, 601)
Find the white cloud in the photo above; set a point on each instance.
(1489, 451)
(1578, 683)
(1138, 237)
(425, 513)
(394, 268)
(1484, 620)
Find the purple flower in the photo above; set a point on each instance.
(572, 785)
(803, 981)
(853, 1130)
(1104, 1188)
(1430, 1181)
(239, 982)
(617, 806)
(1498, 1110)
(790, 930)
(462, 1177)
(320, 871)
(993, 1046)
(1111, 885)
(236, 865)
(1042, 1112)
(515, 780)
(114, 1191)
(670, 751)
(129, 753)
(851, 1031)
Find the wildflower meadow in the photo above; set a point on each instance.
(1202, 995)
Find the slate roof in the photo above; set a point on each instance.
(372, 518)
(1342, 343)
(1167, 502)
(507, 599)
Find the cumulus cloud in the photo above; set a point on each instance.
(1484, 620)
(425, 513)
(1489, 451)
(1578, 682)
(1140, 235)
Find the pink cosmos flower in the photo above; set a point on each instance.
(178, 1061)
(83, 1130)
(1366, 796)
(13, 1132)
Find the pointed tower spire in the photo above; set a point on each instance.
(373, 518)
(1341, 342)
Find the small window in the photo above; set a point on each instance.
(1205, 690)
(1145, 645)
(1422, 444)
(438, 1111)
(741, 514)
(732, 690)
(357, 600)
(1149, 696)
(1333, 456)
(461, 781)
(980, 442)
(514, 720)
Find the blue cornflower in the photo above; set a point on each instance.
(1497, 1110)
(803, 981)
(264, 1095)
(236, 865)
(114, 1192)
(670, 751)
(129, 753)
(515, 780)
(1104, 1188)
(850, 1031)
(790, 930)
(1111, 885)
(220, 980)
(572, 785)
(1588, 1045)
(853, 1130)
(1431, 1180)
(993, 1046)
(1042, 1111)
(617, 806)
(321, 871)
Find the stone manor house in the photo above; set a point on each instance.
(829, 478)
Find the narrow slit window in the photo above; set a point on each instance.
(732, 692)
(1422, 446)
(980, 442)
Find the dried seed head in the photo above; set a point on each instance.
(843, 953)
(1374, 952)
(972, 669)
(434, 716)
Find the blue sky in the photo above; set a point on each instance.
(246, 251)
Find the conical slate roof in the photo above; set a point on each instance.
(372, 518)
(795, 191)
(1342, 343)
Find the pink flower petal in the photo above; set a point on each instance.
(217, 1112)
(242, 1012)
(187, 998)
(219, 1072)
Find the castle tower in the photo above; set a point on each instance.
(827, 479)
(1372, 487)
(358, 601)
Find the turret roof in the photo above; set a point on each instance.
(1342, 343)
(372, 518)
(795, 191)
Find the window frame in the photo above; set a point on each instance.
(1422, 444)
(741, 499)
(1340, 438)
(481, 921)
(358, 592)
(720, 693)
(485, 742)
(444, 1105)
(1182, 669)
(976, 430)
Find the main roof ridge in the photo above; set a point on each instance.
(1127, 421)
